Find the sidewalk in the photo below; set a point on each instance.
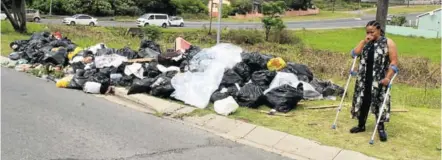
(241, 132)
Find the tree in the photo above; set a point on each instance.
(189, 6)
(272, 11)
(381, 13)
(16, 14)
(241, 6)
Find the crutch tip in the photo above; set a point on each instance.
(371, 142)
(334, 126)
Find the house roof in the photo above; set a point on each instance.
(428, 12)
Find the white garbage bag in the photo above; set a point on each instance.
(114, 60)
(225, 106)
(135, 69)
(291, 79)
(92, 87)
(225, 53)
(95, 48)
(195, 88)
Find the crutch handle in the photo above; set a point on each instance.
(353, 54)
(394, 68)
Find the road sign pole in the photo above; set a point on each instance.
(50, 8)
(218, 33)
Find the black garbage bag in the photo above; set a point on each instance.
(256, 61)
(105, 51)
(192, 51)
(149, 49)
(19, 45)
(284, 98)
(187, 56)
(71, 47)
(140, 85)
(263, 78)
(243, 70)
(78, 80)
(300, 70)
(223, 92)
(327, 88)
(170, 59)
(230, 77)
(40, 36)
(126, 81)
(57, 58)
(127, 52)
(100, 77)
(58, 43)
(250, 96)
(151, 70)
(108, 70)
(15, 55)
(77, 65)
(162, 87)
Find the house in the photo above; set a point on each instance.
(429, 20)
(215, 4)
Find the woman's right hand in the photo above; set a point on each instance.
(368, 38)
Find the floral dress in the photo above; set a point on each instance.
(381, 63)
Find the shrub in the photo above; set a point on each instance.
(284, 37)
(152, 32)
(398, 20)
(245, 36)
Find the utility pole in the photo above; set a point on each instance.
(218, 33)
(333, 10)
(50, 8)
(408, 5)
(211, 17)
(381, 13)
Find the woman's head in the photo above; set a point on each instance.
(374, 29)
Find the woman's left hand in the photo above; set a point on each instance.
(385, 81)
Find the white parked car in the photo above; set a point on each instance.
(176, 21)
(80, 19)
(153, 19)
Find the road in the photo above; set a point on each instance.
(40, 121)
(316, 24)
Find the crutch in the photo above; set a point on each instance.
(396, 70)
(345, 90)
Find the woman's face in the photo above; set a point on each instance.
(373, 32)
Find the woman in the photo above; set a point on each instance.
(378, 58)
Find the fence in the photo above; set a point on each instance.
(408, 31)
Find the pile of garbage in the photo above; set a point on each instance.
(224, 74)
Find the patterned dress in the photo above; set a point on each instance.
(381, 63)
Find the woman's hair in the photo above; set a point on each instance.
(377, 25)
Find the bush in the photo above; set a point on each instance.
(152, 32)
(245, 36)
(398, 20)
(284, 37)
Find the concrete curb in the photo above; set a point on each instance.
(241, 132)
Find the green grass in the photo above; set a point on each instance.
(406, 10)
(412, 135)
(334, 40)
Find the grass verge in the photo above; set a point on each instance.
(412, 135)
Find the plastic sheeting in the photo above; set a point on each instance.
(224, 53)
(196, 88)
(109, 60)
(291, 79)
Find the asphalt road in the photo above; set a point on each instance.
(316, 24)
(40, 121)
